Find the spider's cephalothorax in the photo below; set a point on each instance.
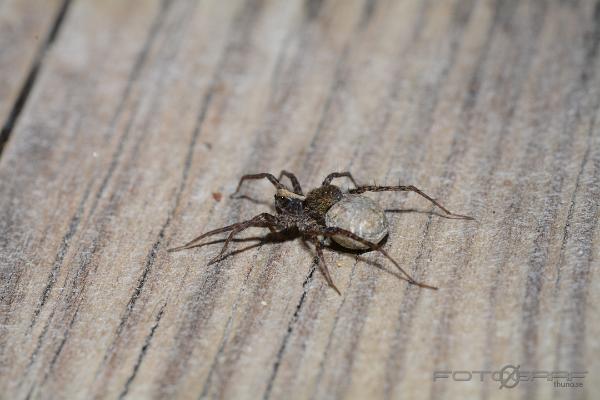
(350, 219)
(289, 203)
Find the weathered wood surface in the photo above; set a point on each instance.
(27, 28)
(141, 110)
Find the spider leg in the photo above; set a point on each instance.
(362, 189)
(227, 228)
(264, 175)
(264, 220)
(195, 241)
(293, 179)
(333, 175)
(323, 265)
(330, 232)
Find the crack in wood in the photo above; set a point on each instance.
(143, 352)
(289, 331)
(31, 78)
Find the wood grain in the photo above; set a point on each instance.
(27, 30)
(140, 111)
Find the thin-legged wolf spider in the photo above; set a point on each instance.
(308, 215)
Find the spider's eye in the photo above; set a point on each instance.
(280, 199)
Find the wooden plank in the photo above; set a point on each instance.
(27, 28)
(141, 112)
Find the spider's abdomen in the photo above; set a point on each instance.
(359, 215)
(319, 201)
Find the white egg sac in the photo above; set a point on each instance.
(359, 215)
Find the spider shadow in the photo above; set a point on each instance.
(359, 255)
(414, 210)
(270, 238)
(252, 200)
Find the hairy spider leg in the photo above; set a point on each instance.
(333, 231)
(293, 179)
(195, 241)
(333, 175)
(227, 228)
(362, 189)
(264, 175)
(323, 265)
(264, 220)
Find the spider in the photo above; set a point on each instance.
(308, 216)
